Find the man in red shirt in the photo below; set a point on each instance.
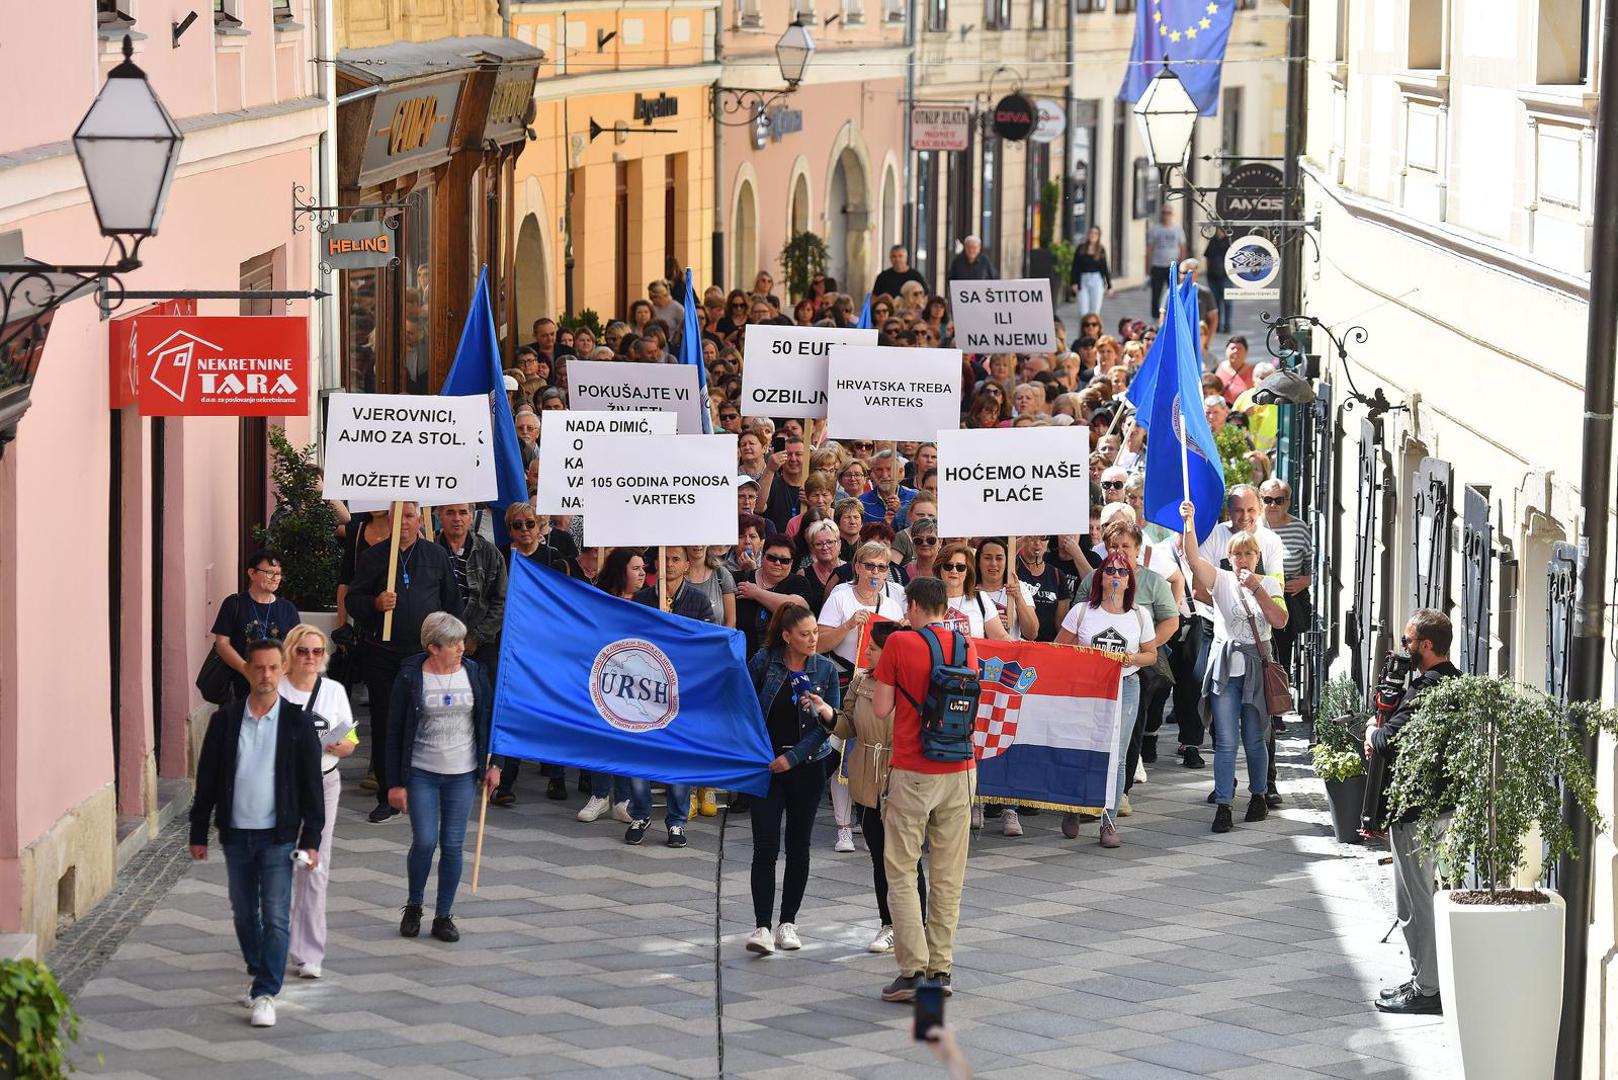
(926, 800)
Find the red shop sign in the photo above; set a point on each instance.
(121, 346)
(222, 365)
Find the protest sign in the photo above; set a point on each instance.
(562, 468)
(409, 448)
(875, 392)
(1003, 316)
(784, 368)
(620, 386)
(1013, 481)
(659, 489)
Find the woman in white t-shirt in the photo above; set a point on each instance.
(325, 702)
(1016, 606)
(1246, 608)
(970, 610)
(1110, 619)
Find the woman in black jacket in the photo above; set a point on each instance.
(1091, 277)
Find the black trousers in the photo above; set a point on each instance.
(794, 796)
(871, 826)
(379, 667)
(1187, 646)
(1160, 281)
(1149, 716)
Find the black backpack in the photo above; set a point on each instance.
(949, 712)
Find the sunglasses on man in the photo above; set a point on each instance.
(1275, 500)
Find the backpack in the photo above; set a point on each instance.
(949, 712)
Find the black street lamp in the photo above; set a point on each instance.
(128, 147)
(793, 52)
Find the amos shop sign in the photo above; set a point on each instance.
(236, 365)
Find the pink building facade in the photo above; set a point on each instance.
(123, 532)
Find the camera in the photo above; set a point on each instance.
(1391, 687)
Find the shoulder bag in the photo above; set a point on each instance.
(1277, 688)
(215, 678)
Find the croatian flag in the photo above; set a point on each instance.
(1047, 726)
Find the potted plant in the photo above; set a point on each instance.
(37, 1022)
(1490, 754)
(303, 530)
(802, 257)
(1338, 756)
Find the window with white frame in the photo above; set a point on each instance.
(748, 14)
(938, 14)
(1561, 56)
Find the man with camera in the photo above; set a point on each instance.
(1426, 641)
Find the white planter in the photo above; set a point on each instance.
(1500, 972)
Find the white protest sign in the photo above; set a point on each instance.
(562, 468)
(784, 368)
(875, 392)
(620, 386)
(1013, 481)
(1003, 316)
(409, 448)
(660, 489)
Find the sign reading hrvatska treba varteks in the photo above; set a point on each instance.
(1003, 316)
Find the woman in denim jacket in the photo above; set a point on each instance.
(798, 694)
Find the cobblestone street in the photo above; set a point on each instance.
(1248, 956)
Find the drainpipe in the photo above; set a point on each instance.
(1588, 652)
(718, 155)
(909, 227)
(1292, 178)
(329, 310)
(505, 18)
(1071, 45)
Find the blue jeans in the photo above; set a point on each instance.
(1128, 706)
(260, 873)
(640, 802)
(609, 787)
(439, 806)
(1254, 729)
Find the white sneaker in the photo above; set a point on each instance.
(786, 937)
(883, 942)
(246, 1000)
(845, 839)
(594, 808)
(761, 941)
(620, 812)
(1010, 825)
(263, 1012)
(977, 817)
(1123, 805)
(308, 971)
(1140, 772)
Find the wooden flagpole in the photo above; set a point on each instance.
(393, 570)
(483, 817)
(662, 581)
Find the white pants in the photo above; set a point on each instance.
(1092, 287)
(308, 940)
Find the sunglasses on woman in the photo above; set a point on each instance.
(1115, 571)
(1275, 500)
(778, 560)
(1112, 485)
(924, 541)
(954, 568)
(310, 651)
(523, 526)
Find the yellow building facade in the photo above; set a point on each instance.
(617, 185)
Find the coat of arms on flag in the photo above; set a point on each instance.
(1003, 685)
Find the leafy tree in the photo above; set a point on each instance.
(303, 529)
(802, 257)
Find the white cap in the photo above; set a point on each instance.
(742, 480)
(511, 384)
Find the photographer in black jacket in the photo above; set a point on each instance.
(425, 583)
(1426, 640)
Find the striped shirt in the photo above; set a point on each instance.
(1295, 537)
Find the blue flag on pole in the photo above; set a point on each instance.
(691, 350)
(477, 371)
(865, 315)
(625, 689)
(1182, 460)
(1189, 37)
(1144, 384)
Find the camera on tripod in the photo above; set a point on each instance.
(1391, 687)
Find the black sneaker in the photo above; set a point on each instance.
(1212, 798)
(1222, 818)
(410, 925)
(380, 813)
(1272, 799)
(942, 979)
(636, 832)
(503, 798)
(1148, 750)
(556, 790)
(1256, 810)
(444, 929)
(1192, 758)
(676, 836)
(902, 989)
(992, 811)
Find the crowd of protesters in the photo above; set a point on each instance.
(829, 534)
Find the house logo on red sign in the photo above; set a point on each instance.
(222, 366)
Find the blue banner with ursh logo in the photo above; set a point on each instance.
(603, 684)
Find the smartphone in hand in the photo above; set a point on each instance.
(929, 1009)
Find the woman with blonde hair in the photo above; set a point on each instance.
(325, 701)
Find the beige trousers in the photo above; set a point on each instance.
(935, 808)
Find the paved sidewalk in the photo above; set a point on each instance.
(1248, 956)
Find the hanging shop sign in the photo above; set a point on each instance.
(121, 346)
(1014, 118)
(221, 365)
(1052, 121)
(1252, 264)
(940, 127)
(410, 126)
(1251, 192)
(358, 245)
(511, 104)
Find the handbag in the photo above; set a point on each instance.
(215, 679)
(1277, 687)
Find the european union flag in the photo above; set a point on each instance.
(1182, 460)
(1189, 36)
(625, 689)
(477, 371)
(865, 315)
(691, 349)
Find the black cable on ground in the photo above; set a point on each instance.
(718, 968)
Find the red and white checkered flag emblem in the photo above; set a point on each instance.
(996, 727)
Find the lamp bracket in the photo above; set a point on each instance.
(324, 216)
(113, 295)
(731, 100)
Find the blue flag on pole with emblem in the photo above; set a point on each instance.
(1189, 36)
(1182, 459)
(1144, 384)
(620, 688)
(477, 371)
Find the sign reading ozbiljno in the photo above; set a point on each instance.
(784, 368)
(410, 448)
